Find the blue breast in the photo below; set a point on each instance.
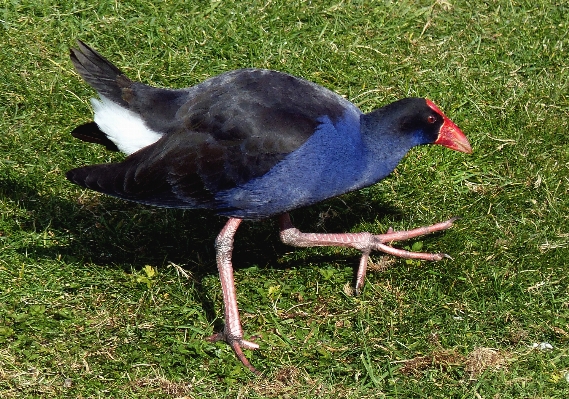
(333, 161)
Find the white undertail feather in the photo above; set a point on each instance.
(123, 127)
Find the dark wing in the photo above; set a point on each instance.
(161, 174)
(261, 116)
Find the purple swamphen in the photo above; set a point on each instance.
(251, 144)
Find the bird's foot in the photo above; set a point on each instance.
(365, 242)
(378, 243)
(237, 344)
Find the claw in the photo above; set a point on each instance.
(237, 344)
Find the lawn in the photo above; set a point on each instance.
(104, 298)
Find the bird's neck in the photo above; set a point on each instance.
(384, 149)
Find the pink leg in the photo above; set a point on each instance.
(232, 332)
(365, 242)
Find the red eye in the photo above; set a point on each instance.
(431, 119)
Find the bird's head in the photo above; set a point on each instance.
(416, 121)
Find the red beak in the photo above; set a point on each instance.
(450, 135)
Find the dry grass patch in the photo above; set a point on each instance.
(482, 359)
(382, 264)
(440, 359)
(475, 363)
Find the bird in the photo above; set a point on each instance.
(251, 144)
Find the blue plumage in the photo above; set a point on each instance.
(334, 160)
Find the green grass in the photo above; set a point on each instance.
(93, 302)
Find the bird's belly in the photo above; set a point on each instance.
(269, 197)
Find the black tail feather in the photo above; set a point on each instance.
(91, 133)
(101, 74)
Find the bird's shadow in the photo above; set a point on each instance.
(108, 232)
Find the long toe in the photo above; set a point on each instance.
(392, 235)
